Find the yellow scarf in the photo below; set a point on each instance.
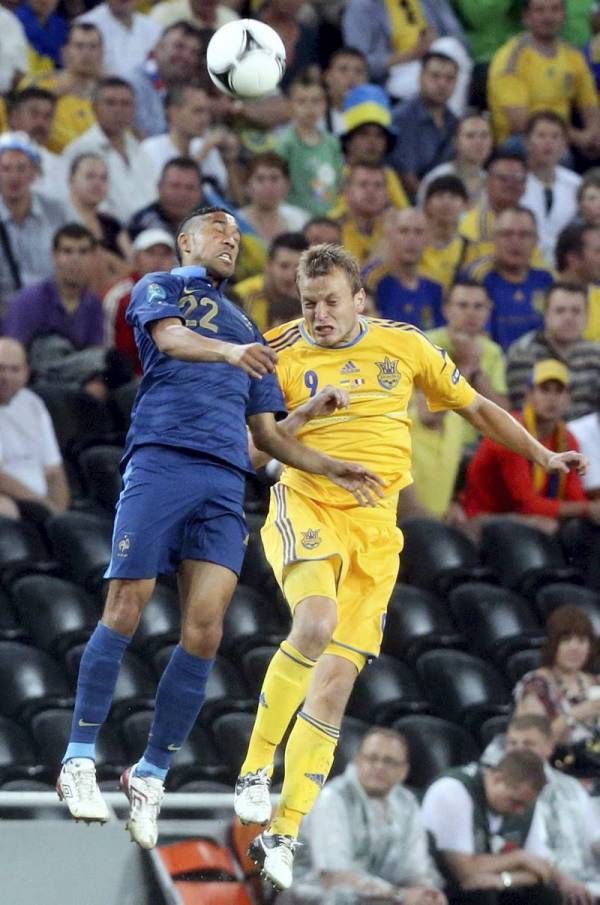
(407, 21)
(555, 488)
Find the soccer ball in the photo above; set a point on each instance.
(245, 58)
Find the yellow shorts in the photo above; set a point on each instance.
(363, 549)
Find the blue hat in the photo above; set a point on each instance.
(367, 105)
(20, 141)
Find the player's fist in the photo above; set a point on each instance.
(254, 358)
(567, 461)
(326, 401)
(365, 485)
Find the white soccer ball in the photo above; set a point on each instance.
(245, 58)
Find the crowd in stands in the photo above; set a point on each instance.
(453, 146)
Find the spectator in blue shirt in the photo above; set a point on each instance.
(516, 288)
(399, 291)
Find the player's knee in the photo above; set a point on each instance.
(202, 638)
(311, 636)
(125, 604)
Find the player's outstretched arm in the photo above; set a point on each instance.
(175, 339)
(270, 438)
(494, 422)
(326, 401)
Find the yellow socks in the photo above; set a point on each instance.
(308, 758)
(284, 688)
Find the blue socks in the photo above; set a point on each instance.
(179, 698)
(98, 673)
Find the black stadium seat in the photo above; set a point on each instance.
(437, 557)
(254, 666)
(521, 662)
(82, 544)
(30, 681)
(225, 690)
(385, 690)
(463, 688)
(160, 623)
(435, 745)
(99, 467)
(352, 733)
(51, 729)
(496, 621)
(231, 733)
(57, 614)
(256, 571)
(22, 550)
(496, 725)
(251, 619)
(135, 688)
(10, 628)
(417, 621)
(558, 594)
(523, 558)
(18, 757)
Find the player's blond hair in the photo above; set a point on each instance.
(321, 260)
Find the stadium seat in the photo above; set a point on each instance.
(30, 681)
(51, 729)
(231, 733)
(82, 543)
(462, 688)
(496, 725)
(435, 745)
(385, 690)
(417, 621)
(580, 539)
(57, 614)
(250, 619)
(254, 667)
(239, 838)
(496, 621)
(160, 623)
(10, 628)
(256, 571)
(557, 594)
(18, 757)
(121, 403)
(22, 550)
(198, 759)
(351, 735)
(204, 873)
(79, 419)
(437, 557)
(225, 690)
(135, 688)
(521, 662)
(521, 557)
(102, 481)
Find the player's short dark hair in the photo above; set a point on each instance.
(537, 721)
(321, 260)
(345, 51)
(293, 241)
(466, 283)
(268, 159)
(498, 156)
(565, 286)
(201, 211)
(73, 231)
(111, 81)
(522, 768)
(437, 55)
(181, 163)
(175, 95)
(16, 99)
(446, 184)
(546, 116)
(571, 240)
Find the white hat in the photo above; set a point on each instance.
(150, 237)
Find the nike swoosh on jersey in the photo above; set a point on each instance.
(83, 724)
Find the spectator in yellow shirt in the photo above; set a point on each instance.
(535, 71)
(367, 198)
(446, 250)
(578, 263)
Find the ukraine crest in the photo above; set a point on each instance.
(389, 376)
(311, 538)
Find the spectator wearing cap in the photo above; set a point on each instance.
(346, 69)
(399, 290)
(367, 136)
(561, 338)
(153, 251)
(128, 36)
(536, 70)
(473, 145)
(28, 219)
(425, 126)
(264, 295)
(445, 250)
(47, 32)
(63, 304)
(501, 482)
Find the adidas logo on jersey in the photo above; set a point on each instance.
(350, 368)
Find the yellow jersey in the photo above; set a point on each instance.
(592, 330)
(477, 226)
(521, 76)
(251, 293)
(443, 264)
(379, 369)
(73, 115)
(361, 244)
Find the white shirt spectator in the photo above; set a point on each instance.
(13, 50)
(553, 211)
(170, 11)
(160, 149)
(587, 433)
(53, 178)
(124, 48)
(132, 182)
(28, 444)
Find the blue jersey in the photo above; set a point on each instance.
(199, 406)
(421, 306)
(517, 307)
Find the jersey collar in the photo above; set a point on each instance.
(196, 270)
(364, 328)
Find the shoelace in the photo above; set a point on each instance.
(86, 783)
(254, 783)
(146, 797)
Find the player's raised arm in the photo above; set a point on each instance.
(173, 338)
(270, 438)
(494, 422)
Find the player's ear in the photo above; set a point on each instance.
(183, 242)
(359, 300)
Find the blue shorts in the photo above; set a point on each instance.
(177, 504)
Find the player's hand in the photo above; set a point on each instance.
(365, 485)
(254, 358)
(567, 461)
(326, 401)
